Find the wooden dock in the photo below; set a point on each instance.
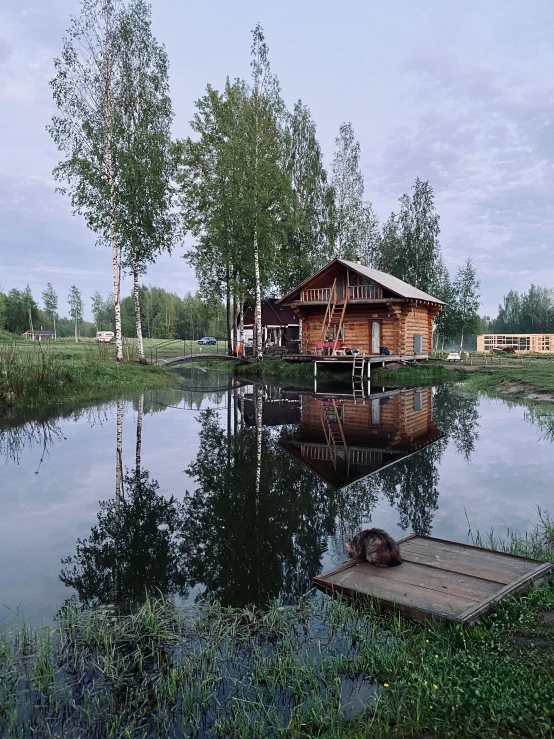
(439, 579)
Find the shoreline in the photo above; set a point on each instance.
(322, 667)
(526, 383)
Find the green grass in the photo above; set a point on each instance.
(535, 376)
(422, 374)
(286, 671)
(32, 374)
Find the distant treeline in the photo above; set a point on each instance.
(165, 314)
(529, 312)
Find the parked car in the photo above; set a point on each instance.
(206, 340)
(453, 357)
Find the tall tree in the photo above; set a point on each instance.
(309, 245)
(355, 228)
(209, 179)
(348, 185)
(31, 308)
(97, 309)
(410, 245)
(467, 299)
(146, 160)
(88, 128)
(75, 301)
(445, 321)
(257, 150)
(50, 301)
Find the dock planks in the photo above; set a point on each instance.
(439, 578)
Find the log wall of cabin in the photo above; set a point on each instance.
(399, 322)
(400, 422)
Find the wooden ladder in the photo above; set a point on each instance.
(334, 434)
(358, 389)
(358, 367)
(341, 321)
(330, 311)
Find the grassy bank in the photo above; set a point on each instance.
(325, 668)
(533, 381)
(31, 374)
(301, 375)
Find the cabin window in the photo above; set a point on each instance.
(332, 416)
(418, 343)
(418, 401)
(332, 332)
(314, 327)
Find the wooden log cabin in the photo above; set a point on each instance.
(346, 306)
(343, 441)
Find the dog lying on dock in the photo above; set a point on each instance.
(376, 546)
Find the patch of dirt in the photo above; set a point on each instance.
(524, 390)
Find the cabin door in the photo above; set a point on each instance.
(375, 337)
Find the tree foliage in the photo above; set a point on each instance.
(356, 226)
(466, 290)
(410, 248)
(527, 312)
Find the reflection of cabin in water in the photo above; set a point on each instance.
(343, 441)
(347, 306)
(279, 407)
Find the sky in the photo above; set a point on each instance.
(459, 94)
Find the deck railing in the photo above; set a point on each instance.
(364, 292)
(316, 295)
(355, 292)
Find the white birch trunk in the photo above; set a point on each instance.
(258, 411)
(258, 307)
(76, 327)
(138, 322)
(119, 458)
(113, 235)
(54, 319)
(139, 434)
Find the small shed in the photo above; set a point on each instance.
(280, 325)
(42, 335)
(349, 306)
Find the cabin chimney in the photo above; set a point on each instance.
(358, 261)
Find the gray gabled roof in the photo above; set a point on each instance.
(396, 286)
(391, 283)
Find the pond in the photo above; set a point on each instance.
(247, 492)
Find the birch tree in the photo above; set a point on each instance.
(466, 288)
(146, 160)
(259, 144)
(355, 223)
(309, 245)
(209, 177)
(87, 129)
(75, 302)
(50, 301)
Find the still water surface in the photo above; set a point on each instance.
(248, 493)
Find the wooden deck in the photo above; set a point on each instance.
(439, 578)
(349, 358)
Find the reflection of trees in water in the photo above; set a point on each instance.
(256, 526)
(44, 431)
(457, 415)
(130, 551)
(412, 484)
(134, 548)
(543, 418)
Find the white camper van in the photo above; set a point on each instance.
(105, 336)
